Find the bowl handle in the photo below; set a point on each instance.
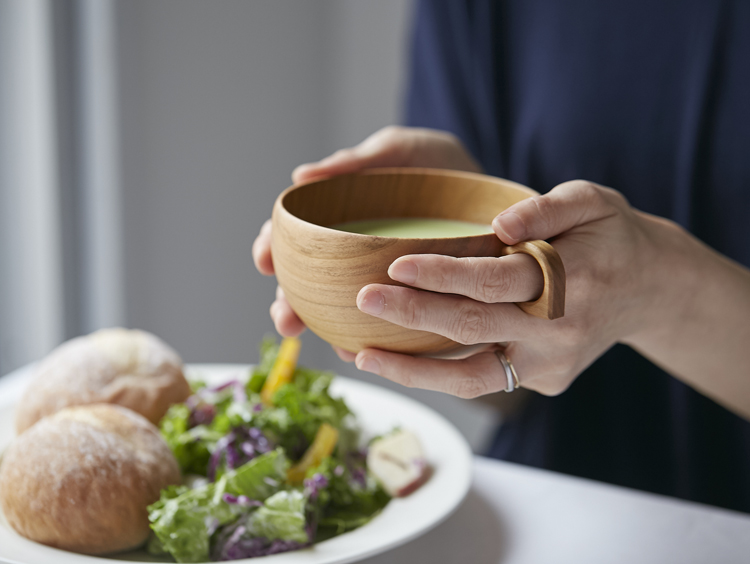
(551, 304)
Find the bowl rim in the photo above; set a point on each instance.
(423, 171)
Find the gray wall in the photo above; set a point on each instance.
(220, 101)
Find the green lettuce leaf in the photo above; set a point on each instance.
(281, 517)
(299, 409)
(308, 402)
(258, 479)
(192, 454)
(337, 522)
(184, 520)
(190, 524)
(345, 503)
(269, 350)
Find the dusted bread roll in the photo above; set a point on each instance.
(82, 478)
(131, 368)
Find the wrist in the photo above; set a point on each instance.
(668, 284)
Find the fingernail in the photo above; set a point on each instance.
(368, 364)
(511, 224)
(372, 302)
(404, 271)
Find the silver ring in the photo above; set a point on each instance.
(510, 371)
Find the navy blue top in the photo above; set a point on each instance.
(649, 97)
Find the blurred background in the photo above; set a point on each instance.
(142, 145)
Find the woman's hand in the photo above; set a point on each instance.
(616, 272)
(631, 278)
(391, 146)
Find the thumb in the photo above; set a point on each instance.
(562, 208)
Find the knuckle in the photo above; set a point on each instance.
(470, 325)
(406, 379)
(469, 387)
(598, 196)
(556, 374)
(493, 283)
(587, 188)
(552, 387)
(412, 314)
(393, 143)
(441, 274)
(347, 153)
(390, 132)
(615, 198)
(448, 138)
(555, 381)
(444, 281)
(545, 212)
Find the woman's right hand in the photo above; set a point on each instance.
(390, 146)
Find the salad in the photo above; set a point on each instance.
(272, 464)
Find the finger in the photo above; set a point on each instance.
(383, 148)
(564, 207)
(262, 250)
(469, 378)
(515, 278)
(346, 356)
(460, 319)
(548, 371)
(287, 323)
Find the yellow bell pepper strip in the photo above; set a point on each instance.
(283, 369)
(323, 445)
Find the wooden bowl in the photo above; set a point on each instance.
(321, 270)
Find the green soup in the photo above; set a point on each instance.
(414, 228)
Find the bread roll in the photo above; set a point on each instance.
(131, 368)
(82, 478)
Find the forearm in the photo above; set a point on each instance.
(697, 327)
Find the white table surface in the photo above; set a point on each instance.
(519, 515)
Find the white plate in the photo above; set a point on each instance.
(378, 410)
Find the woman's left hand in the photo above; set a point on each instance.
(615, 269)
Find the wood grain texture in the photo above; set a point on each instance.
(551, 304)
(321, 270)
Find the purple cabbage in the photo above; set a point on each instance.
(236, 448)
(238, 390)
(201, 414)
(241, 500)
(359, 476)
(314, 485)
(258, 546)
(232, 544)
